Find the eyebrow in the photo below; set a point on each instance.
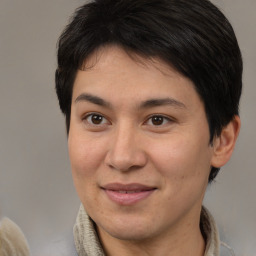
(145, 104)
(93, 99)
(161, 102)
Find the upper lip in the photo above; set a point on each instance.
(127, 187)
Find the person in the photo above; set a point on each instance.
(12, 240)
(150, 92)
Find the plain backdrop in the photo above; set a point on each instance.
(36, 188)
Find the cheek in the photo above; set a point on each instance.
(180, 159)
(184, 167)
(85, 158)
(86, 155)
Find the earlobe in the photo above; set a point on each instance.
(224, 144)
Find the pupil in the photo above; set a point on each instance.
(96, 119)
(157, 120)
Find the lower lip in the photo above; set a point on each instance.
(128, 198)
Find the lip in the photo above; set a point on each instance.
(127, 194)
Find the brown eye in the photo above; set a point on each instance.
(157, 120)
(96, 119)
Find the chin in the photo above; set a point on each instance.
(130, 230)
(129, 235)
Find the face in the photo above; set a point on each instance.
(138, 145)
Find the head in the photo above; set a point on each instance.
(193, 37)
(150, 91)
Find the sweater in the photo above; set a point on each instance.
(12, 240)
(87, 242)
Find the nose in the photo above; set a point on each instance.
(126, 151)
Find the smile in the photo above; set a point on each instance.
(127, 194)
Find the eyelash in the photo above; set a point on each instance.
(164, 120)
(91, 115)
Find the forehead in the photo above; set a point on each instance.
(115, 73)
(115, 55)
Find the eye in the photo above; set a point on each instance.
(95, 119)
(158, 120)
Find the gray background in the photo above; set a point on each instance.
(36, 188)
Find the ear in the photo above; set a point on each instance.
(224, 144)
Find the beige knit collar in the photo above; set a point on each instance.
(87, 242)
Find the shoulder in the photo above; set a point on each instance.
(12, 240)
(63, 246)
(210, 232)
(225, 250)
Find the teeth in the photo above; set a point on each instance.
(127, 192)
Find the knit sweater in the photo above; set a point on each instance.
(87, 242)
(12, 240)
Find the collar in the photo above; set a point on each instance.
(87, 242)
(210, 233)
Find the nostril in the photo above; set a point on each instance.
(126, 163)
(123, 167)
(125, 152)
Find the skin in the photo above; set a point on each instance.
(114, 139)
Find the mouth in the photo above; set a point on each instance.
(127, 194)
